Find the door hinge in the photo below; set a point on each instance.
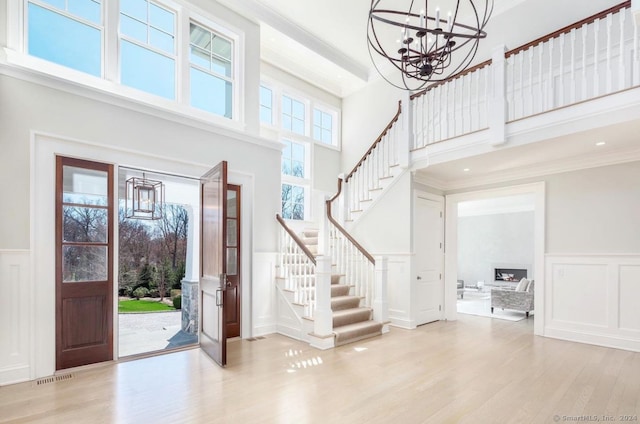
(440, 276)
(440, 245)
(440, 308)
(440, 214)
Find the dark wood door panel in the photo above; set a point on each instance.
(84, 322)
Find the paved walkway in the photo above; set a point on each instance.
(149, 332)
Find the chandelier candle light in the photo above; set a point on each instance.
(425, 42)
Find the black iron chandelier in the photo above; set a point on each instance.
(426, 41)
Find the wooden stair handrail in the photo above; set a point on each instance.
(569, 28)
(295, 238)
(375, 143)
(342, 230)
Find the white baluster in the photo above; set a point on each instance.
(573, 66)
(636, 53)
(540, 107)
(550, 81)
(585, 33)
(530, 69)
(561, 74)
(596, 67)
(609, 22)
(621, 53)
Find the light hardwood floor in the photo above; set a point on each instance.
(475, 370)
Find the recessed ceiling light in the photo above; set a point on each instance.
(466, 170)
(600, 143)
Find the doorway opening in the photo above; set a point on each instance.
(489, 252)
(495, 252)
(157, 291)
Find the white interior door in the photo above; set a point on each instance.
(428, 246)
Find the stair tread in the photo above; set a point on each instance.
(351, 311)
(354, 332)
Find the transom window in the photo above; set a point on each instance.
(293, 115)
(211, 71)
(147, 47)
(66, 32)
(148, 53)
(322, 126)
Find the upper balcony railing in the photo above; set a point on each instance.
(592, 58)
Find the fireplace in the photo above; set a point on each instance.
(509, 274)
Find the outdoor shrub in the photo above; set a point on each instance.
(154, 293)
(140, 292)
(177, 302)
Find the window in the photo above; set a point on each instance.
(67, 32)
(293, 115)
(293, 201)
(147, 47)
(266, 105)
(211, 71)
(322, 126)
(295, 182)
(293, 159)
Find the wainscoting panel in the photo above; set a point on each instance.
(583, 287)
(629, 280)
(15, 317)
(399, 289)
(264, 297)
(593, 299)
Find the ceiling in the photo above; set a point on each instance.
(324, 42)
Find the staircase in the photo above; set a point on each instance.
(350, 321)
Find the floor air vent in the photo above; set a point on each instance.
(54, 379)
(253, 339)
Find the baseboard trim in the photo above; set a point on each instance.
(264, 330)
(409, 324)
(593, 339)
(15, 374)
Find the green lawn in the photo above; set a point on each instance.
(126, 306)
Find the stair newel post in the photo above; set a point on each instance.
(380, 300)
(498, 100)
(324, 248)
(323, 317)
(404, 138)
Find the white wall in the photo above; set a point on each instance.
(385, 230)
(594, 210)
(487, 240)
(364, 115)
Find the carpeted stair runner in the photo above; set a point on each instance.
(351, 323)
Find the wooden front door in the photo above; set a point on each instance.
(213, 264)
(232, 293)
(84, 262)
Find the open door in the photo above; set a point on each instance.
(213, 254)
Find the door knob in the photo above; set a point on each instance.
(419, 277)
